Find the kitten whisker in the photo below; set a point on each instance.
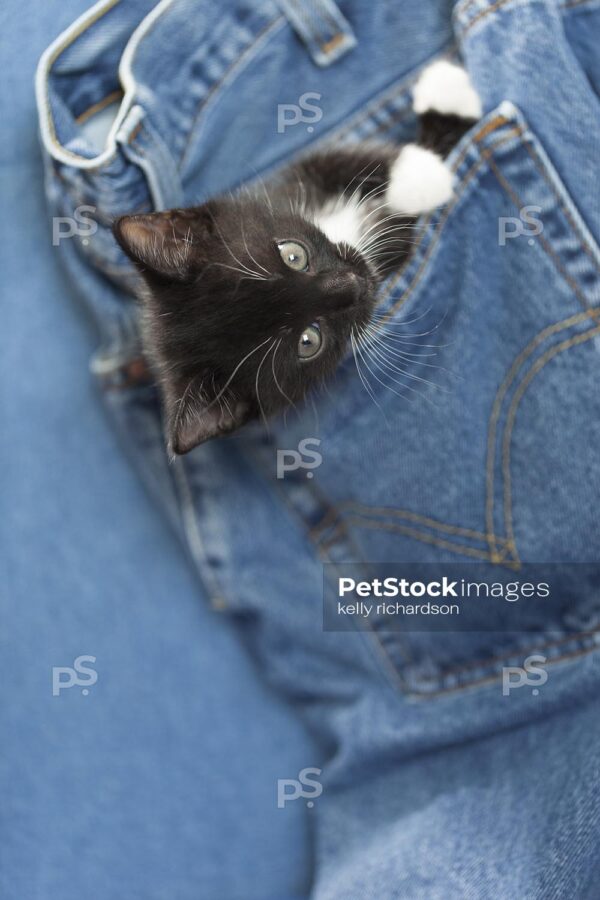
(302, 205)
(363, 378)
(416, 343)
(379, 223)
(386, 316)
(376, 209)
(231, 253)
(398, 336)
(316, 412)
(239, 365)
(179, 403)
(360, 184)
(364, 238)
(226, 402)
(413, 359)
(356, 344)
(387, 320)
(374, 192)
(267, 196)
(405, 387)
(391, 228)
(279, 388)
(242, 272)
(382, 363)
(260, 406)
(256, 263)
(406, 354)
(378, 249)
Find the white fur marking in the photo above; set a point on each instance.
(419, 181)
(446, 88)
(340, 222)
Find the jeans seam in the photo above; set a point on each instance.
(99, 106)
(497, 123)
(491, 679)
(60, 49)
(495, 555)
(399, 679)
(566, 212)
(463, 10)
(483, 14)
(501, 393)
(110, 151)
(514, 197)
(268, 27)
(194, 537)
(364, 509)
(537, 367)
(422, 536)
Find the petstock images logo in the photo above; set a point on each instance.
(306, 111)
(306, 457)
(527, 223)
(77, 675)
(306, 786)
(81, 224)
(454, 597)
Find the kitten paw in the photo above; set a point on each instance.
(446, 88)
(419, 181)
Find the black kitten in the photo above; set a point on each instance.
(254, 298)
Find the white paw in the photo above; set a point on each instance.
(446, 88)
(419, 181)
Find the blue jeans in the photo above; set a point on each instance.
(135, 789)
(435, 782)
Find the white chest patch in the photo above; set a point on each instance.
(341, 222)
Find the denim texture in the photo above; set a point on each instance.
(142, 789)
(435, 784)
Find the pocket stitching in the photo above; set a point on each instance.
(540, 364)
(423, 536)
(428, 521)
(510, 547)
(542, 169)
(496, 123)
(514, 197)
(501, 393)
(491, 679)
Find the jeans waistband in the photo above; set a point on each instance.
(114, 54)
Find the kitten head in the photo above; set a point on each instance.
(247, 307)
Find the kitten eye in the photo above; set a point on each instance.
(294, 255)
(310, 342)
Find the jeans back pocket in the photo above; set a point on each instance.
(484, 451)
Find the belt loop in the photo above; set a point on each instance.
(322, 27)
(142, 145)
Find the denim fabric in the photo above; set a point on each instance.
(142, 788)
(435, 783)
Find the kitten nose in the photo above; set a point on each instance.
(341, 289)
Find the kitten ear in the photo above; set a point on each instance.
(194, 419)
(159, 244)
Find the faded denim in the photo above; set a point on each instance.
(435, 784)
